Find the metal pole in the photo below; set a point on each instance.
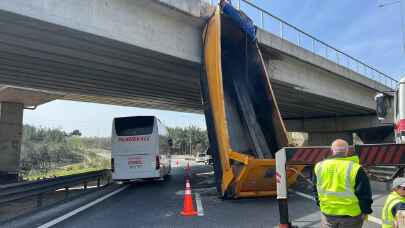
(313, 46)
(190, 145)
(281, 30)
(281, 180)
(262, 18)
(402, 22)
(337, 57)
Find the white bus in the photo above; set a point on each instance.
(140, 148)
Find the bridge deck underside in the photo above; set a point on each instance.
(85, 67)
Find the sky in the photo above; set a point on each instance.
(360, 28)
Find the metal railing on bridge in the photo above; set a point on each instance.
(267, 21)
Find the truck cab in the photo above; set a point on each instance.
(397, 110)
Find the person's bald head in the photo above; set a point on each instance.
(340, 147)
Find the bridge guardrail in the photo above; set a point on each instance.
(17, 191)
(293, 34)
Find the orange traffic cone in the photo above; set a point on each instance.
(188, 209)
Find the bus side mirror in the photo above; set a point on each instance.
(381, 107)
(170, 142)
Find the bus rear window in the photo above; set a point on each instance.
(129, 126)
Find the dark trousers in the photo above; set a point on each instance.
(329, 221)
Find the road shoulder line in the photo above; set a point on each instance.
(82, 208)
(200, 209)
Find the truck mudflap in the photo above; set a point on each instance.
(244, 124)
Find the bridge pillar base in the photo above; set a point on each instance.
(11, 126)
(326, 138)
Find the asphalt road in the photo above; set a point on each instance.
(158, 204)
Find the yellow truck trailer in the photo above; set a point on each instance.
(244, 124)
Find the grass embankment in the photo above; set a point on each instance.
(93, 160)
(62, 171)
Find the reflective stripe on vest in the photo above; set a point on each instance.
(387, 217)
(335, 185)
(354, 158)
(348, 188)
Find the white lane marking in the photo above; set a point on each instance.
(200, 209)
(302, 195)
(370, 218)
(82, 208)
(373, 219)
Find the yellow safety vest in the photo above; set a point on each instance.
(354, 158)
(387, 217)
(336, 178)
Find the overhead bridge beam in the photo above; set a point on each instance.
(333, 124)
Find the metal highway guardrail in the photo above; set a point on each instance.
(17, 191)
(291, 33)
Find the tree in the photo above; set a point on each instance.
(75, 133)
(181, 139)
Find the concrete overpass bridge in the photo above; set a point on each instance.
(147, 53)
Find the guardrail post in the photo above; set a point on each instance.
(85, 185)
(66, 192)
(109, 179)
(98, 182)
(39, 200)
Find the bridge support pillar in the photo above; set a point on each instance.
(11, 125)
(326, 138)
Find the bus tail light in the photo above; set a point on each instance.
(157, 162)
(112, 165)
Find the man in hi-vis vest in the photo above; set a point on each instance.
(394, 203)
(341, 189)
